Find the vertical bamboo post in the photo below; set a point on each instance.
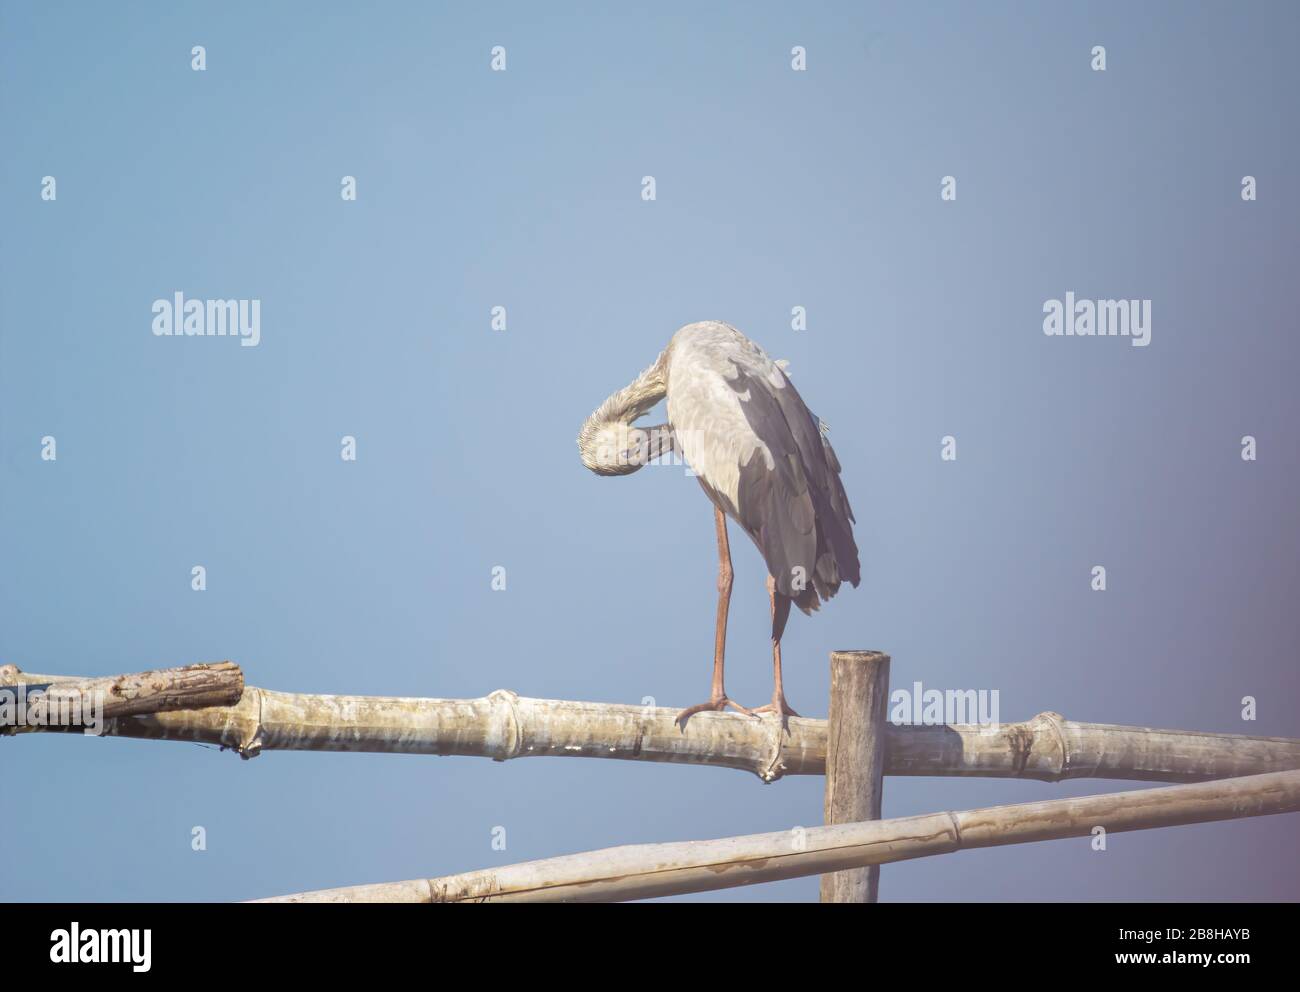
(855, 759)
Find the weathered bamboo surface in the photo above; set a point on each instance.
(503, 725)
(218, 683)
(644, 871)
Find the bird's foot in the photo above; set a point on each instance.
(716, 704)
(779, 706)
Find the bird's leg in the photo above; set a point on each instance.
(780, 613)
(718, 695)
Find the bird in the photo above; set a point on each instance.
(763, 459)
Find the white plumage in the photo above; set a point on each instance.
(705, 412)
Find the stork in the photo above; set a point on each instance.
(763, 460)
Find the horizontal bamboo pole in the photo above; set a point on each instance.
(218, 683)
(644, 871)
(504, 725)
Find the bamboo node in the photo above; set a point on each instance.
(251, 745)
(1056, 723)
(511, 734)
(774, 767)
(955, 822)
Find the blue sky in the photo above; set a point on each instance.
(521, 189)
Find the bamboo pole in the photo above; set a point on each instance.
(218, 683)
(855, 760)
(504, 725)
(644, 871)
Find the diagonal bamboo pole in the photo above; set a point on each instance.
(644, 871)
(504, 725)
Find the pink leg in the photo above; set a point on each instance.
(778, 704)
(718, 695)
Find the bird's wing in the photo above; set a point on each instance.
(805, 484)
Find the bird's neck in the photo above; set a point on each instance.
(610, 421)
(635, 399)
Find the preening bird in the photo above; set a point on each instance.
(761, 457)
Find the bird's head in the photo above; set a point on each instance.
(612, 447)
(608, 441)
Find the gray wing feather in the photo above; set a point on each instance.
(796, 511)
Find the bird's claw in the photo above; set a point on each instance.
(779, 706)
(716, 704)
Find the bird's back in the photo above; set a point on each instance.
(762, 458)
